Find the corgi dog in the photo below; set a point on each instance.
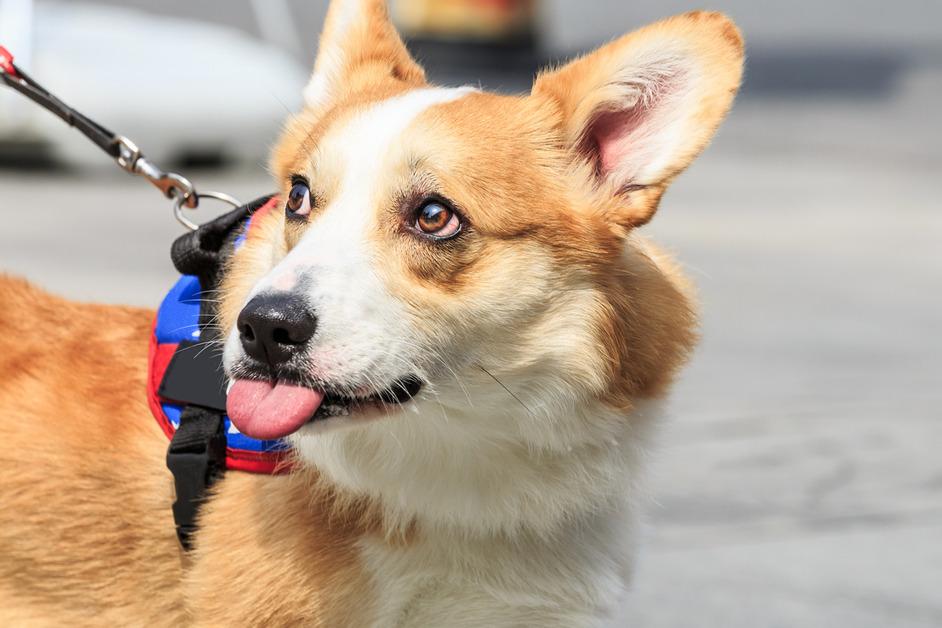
(454, 320)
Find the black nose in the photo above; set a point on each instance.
(274, 327)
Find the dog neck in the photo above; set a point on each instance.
(474, 476)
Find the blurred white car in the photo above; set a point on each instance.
(178, 88)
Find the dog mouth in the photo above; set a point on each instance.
(271, 409)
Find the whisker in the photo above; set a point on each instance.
(509, 392)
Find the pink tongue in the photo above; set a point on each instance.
(268, 411)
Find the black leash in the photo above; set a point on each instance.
(125, 152)
(20, 81)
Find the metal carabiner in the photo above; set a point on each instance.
(173, 185)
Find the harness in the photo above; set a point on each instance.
(186, 387)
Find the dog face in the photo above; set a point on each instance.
(462, 267)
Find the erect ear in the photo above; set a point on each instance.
(358, 43)
(641, 108)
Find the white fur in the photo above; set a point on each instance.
(575, 578)
(571, 573)
(660, 86)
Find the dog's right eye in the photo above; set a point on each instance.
(299, 200)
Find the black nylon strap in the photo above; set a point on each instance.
(196, 458)
(102, 137)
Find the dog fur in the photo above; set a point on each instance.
(506, 492)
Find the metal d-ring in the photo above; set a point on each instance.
(179, 200)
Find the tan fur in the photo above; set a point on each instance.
(86, 532)
(645, 312)
(86, 498)
(278, 551)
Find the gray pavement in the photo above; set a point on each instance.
(799, 481)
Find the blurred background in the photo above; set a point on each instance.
(799, 481)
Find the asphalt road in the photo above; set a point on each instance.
(799, 482)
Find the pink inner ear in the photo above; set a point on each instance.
(612, 135)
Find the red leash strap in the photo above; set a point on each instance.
(6, 63)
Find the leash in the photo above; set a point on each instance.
(198, 453)
(126, 154)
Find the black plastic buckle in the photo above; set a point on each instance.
(196, 458)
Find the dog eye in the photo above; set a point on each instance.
(436, 219)
(299, 200)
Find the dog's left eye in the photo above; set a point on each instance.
(299, 200)
(437, 220)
